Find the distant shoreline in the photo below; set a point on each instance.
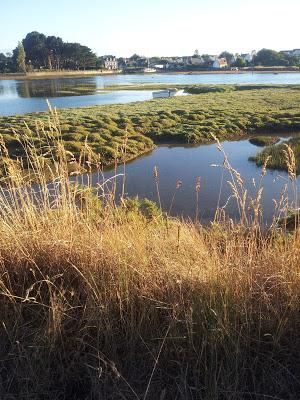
(248, 71)
(81, 74)
(56, 74)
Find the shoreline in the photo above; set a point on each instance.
(159, 122)
(229, 72)
(82, 74)
(56, 74)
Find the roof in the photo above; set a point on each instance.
(222, 60)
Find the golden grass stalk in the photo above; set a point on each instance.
(98, 301)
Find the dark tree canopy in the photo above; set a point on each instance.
(240, 62)
(35, 49)
(51, 52)
(6, 63)
(269, 57)
(76, 56)
(135, 57)
(54, 46)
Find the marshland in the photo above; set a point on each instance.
(225, 111)
(149, 200)
(108, 295)
(21, 96)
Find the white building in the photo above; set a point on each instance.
(196, 60)
(295, 52)
(110, 62)
(248, 57)
(220, 63)
(159, 66)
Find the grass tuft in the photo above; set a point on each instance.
(118, 301)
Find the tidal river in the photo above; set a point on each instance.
(26, 96)
(187, 163)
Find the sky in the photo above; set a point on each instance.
(156, 27)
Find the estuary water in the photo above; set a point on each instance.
(187, 163)
(26, 96)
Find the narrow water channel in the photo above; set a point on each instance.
(187, 163)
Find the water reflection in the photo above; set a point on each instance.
(187, 163)
(17, 97)
(56, 87)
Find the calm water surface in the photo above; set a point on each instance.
(186, 164)
(19, 97)
(173, 163)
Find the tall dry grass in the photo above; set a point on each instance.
(99, 301)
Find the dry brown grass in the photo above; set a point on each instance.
(100, 302)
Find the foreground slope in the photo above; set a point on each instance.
(100, 300)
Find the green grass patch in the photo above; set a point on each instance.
(276, 153)
(227, 112)
(263, 141)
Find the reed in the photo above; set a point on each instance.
(102, 300)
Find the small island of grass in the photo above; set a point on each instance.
(262, 141)
(276, 155)
(227, 112)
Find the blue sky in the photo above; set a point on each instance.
(156, 27)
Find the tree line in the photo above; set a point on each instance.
(38, 51)
(267, 57)
(264, 57)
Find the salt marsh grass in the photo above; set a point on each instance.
(101, 300)
(228, 112)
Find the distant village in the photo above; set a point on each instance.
(196, 61)
(38, 52)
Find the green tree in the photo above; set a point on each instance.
(54, 46)
(21, 57)
(292, 61)
(35, 48)
(135, 57)
(268, 57)
(75, 56)
(155, 60)
(122, 62)
(51, 52)
(207, 60)
(6, 63)
(240, 62)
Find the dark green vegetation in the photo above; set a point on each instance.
(270, 57)
(263, 141)
(47, 52)
(265, 57)
(277, 155)
(224, 112)
(202, 88)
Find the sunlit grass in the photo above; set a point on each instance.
(224, 111)
(276, 154)
(107, 300)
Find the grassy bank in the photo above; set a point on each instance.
(263, 141)
(224, 112)
(277, 155)
(201, 88)
(121, 302)
(55, 74)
